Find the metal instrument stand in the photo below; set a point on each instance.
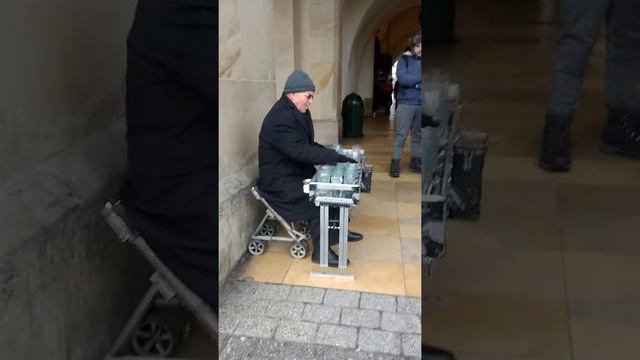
(325, 225)
(345, 197)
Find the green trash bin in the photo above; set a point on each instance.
(352, 116)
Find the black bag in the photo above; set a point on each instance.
(466, 175)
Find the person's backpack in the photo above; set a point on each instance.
(396, 86)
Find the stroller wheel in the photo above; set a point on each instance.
(256, 247)
(160, 333)
(268, 228)
(298, 249)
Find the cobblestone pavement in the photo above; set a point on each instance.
(273, 321)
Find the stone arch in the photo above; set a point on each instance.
(360, 21)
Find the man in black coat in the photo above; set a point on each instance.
(287, 154)
(171, 109)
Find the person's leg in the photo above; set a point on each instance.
(416, 139)
(402, 127)
(622, 131)
(314, 231)
(580, 22)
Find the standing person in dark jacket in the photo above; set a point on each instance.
(580, 22)
(409, 110)
(171, 115)
(287, 154)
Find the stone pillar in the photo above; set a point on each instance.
(317, 50)
(247, 89)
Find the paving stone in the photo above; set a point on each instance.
(334, 335)
(321, 313)
(267, 349)
(245, 307)
(227, 322)
(334, 353)
(239, 288)
(222, 341)
(256, 326)
(342, 298)
(412, 345)
(380, 341)
(285, 310)
(298, 351)
(306, 294)
(401, 323)
(409, 305)
(360, 318)
(272, 291)
(297, 331)
(237, 348)
(378, 302)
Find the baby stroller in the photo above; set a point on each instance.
(267, 230)
(160, 321)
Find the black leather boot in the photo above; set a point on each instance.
(621, 134)
(434, 353)
(555, 154)
(354, 236)
(415, 165)
(333, 257)
(394, 170)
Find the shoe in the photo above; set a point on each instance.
(555, 154)
(621, 133)
(333, 258)
(394, 171)
(354, 236)
(434, 353)
(415, 165)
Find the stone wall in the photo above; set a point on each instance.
(66, 285)
(247, 91)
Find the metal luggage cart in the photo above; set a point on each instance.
(346, 197)
(160, 322)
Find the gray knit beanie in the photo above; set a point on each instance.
(298, 81)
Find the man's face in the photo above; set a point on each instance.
(417, 50)
(302, 100)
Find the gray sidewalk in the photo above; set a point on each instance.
(273, 321)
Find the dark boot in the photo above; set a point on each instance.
(556, 144)
(333, 257)
(394, 171)
(354, 236)
(434, 353)
(621, 134)
(415, 165)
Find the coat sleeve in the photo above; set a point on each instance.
(288, 141)
(405, 77)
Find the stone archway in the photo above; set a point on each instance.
(360, 19)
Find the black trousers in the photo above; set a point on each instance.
(314, 229)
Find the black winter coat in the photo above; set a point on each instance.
(287, 155)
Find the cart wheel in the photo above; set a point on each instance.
(160, 333)
(298, 249)
(268, 228)
(256, 247)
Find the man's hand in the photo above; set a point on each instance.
(344, 159)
